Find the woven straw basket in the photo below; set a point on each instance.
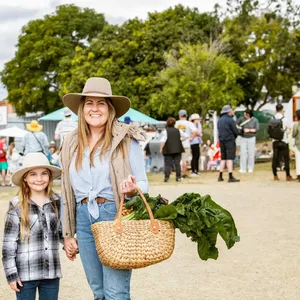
(133, 244)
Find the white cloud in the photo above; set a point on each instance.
(17, 13)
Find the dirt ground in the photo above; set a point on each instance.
(264, 265)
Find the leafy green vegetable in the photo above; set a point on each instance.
(166, 212)
(199, 218)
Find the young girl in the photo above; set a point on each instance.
(32, 231)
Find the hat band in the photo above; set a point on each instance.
(95, 92)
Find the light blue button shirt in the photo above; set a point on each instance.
(92, 182)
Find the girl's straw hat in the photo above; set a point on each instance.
(33, 161)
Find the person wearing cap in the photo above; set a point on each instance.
(250, 126)
(33, 231)
(195, 144)
(127, 120)
(191, 131)
(65, 126)
(228, 132)
(101, 161)
(35, 140)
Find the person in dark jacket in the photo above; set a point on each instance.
(171, 147)
(228, 132)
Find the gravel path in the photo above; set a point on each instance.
(263, 266)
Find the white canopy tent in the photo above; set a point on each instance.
(13, 132)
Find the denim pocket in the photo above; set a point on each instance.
(107, 211)
(110, 208)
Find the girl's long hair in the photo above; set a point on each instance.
(10, 148)
(84, 133)
(25, 205)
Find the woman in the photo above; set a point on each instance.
(296, 136)
(33, 232)
(171, 147)
(13, 160)
(100, 161)
(195, 144)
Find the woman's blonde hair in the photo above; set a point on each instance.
(24, 202)
(10, 148)
(84, 132)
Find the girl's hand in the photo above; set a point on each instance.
(71, 248)
(127, 186)
(14, 287)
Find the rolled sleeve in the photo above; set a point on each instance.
(137, 165)
(9, 247)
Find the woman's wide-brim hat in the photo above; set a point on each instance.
(33, 161)
(97, 87)
(34, 126)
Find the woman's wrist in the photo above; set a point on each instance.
(131, 194)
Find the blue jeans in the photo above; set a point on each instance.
(48, 289)
(106, 283)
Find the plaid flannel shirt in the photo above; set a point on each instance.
(37, 258)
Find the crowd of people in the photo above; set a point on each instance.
(34, 141)
(182, 144)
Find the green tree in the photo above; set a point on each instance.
(198, 78)
(132, 55)
(264, 41)
(45, 50)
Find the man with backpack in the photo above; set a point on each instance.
(279, 131)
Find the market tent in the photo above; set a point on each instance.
(134, 115)
(137, 116)
(13, 132)
(57, 115)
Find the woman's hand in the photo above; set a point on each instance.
(127, 186)
(71, 248)
(14, 285)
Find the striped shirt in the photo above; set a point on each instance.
(92, 182)
(31, 145)
(38, 258)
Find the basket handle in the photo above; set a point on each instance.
(118, 227)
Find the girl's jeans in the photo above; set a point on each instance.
(106, 283)
(48, 289)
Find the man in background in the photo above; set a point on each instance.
(65, 126)
(281, 145)
(191, 131)
(228, 132)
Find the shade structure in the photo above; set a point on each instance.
(13, 132)
(137, 116)
(57, 115)
(134, 115)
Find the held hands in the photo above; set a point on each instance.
(249, 130)
(71, 248)
(127, 186)
(14, 285)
